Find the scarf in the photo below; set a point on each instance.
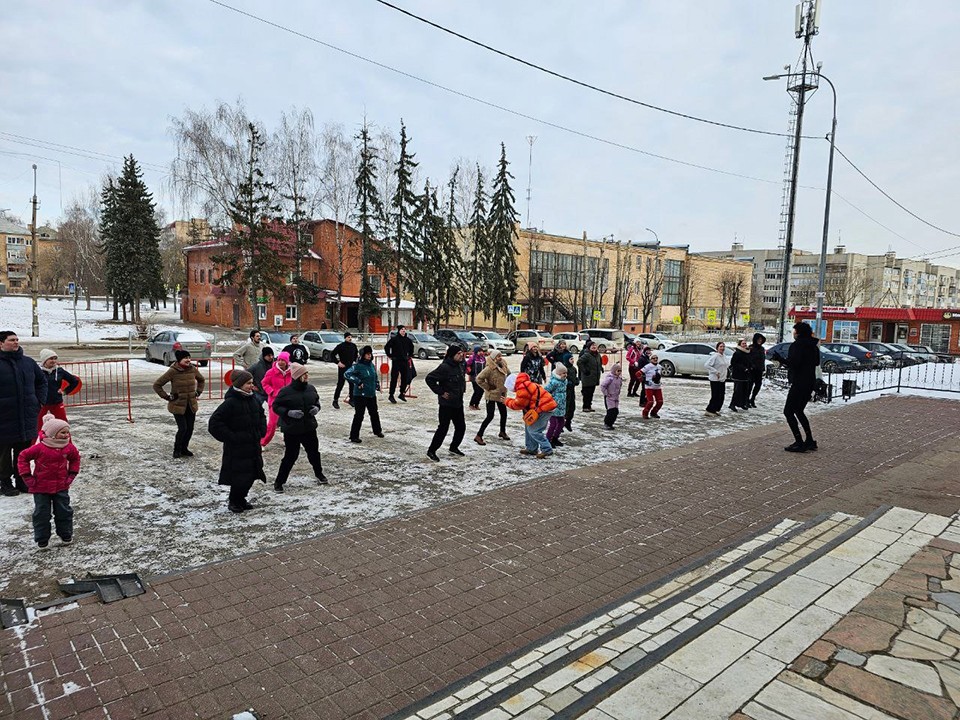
(55, 442)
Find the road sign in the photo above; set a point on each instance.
(596, 315)
(514, 310)
(261, 300)
(712, 317)
(71, 288)
(677, 320)
(745, 317)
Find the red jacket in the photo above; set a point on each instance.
(54, 468)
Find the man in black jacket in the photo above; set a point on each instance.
(448, 381)
(297, 350)
(758, 364)
(345, 355)
(23, 389)
(399, 349)
(297, 406)
(803, 359)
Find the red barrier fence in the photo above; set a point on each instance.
(215, 378)
(102, 382)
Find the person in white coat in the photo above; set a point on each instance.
(717, 365)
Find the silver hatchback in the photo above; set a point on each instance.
(162, 346)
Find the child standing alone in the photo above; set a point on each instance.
(56, 462)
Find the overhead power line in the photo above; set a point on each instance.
(72, 150)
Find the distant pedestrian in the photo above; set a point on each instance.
(803, 361)
(56, 463)
(573, 379)
(741, 377)
(399, 349)
(555, 356)
(557, 387)
(536, 404)
(448, 382)
(59, 381)
(364, 383)
(186, 385)
(298, 352)
(653, 390)
(23, 390)
(717, 365)
(248, 353)
(297, 406)
(532, 364)
(344, 355)
(645, 353)
(259, 370)
(610, 385)
(239, 423)
(277, 378)
(492, 380)
(475, 365)
(590, 368)
(758, 365)
(634, 358)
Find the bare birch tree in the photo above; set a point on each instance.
(339, 196)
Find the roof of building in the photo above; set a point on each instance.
(7, 227)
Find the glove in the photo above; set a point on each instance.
(199, 393)
(314, 410)
(295, 414)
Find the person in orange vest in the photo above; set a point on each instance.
(536, 404)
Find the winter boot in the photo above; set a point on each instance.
(797, 447)
(810, 444)
(479, 440)
(7, 488)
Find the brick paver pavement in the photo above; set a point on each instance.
(363, 622)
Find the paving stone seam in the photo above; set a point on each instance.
(648, 588)
(666, 603)
(592, 698)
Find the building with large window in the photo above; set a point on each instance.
(934, 327)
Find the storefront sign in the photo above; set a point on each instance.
(837, 309)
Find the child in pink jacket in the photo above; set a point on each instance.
(275, 379)
(56, 462)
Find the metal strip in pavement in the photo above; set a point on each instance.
(591, 699)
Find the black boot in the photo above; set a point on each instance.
(810, 444)
(7, 488)
(796, 446)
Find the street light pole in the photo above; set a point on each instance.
(821, 291)
(34, 280)
(656, 268)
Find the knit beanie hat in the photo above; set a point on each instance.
(615, 368)
(239, 378)
(46, 354)
(52, 425)
(266, 352)
(297, 370)
(285, 356)
(453, 350)
(366, 350)
(180, 354)
(494, 353)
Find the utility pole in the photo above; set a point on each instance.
(530, 139)
(800, 83)
(34, 279)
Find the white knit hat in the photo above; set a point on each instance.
(493, 353)
(46, 354)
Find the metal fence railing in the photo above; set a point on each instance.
(935, 377)
(102, 382)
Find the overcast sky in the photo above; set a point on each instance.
(107, 77)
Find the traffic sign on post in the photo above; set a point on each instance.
(596, 315)
(514, 310)
(711, 317)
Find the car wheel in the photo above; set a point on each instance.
(146, 356)
(166, 360)
(662, 347)
(829, 366)
(422, 354)
(602, 348)
(325, 356)
(668, 368)
(574, 349)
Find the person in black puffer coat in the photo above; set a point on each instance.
(803, 359)
(758, 364)
(399, 349)
(239, 423)
(740, 374)
(297, 406)
(449, 382)
(23, 389)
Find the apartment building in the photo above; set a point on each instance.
(16, 244)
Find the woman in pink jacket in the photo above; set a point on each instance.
(275, 379)
(56, 462)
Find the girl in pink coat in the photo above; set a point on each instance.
(56, 462)
(275, 379)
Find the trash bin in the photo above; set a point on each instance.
(849, 389)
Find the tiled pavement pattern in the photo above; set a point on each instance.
(366, 622)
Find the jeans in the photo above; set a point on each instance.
(492, 407)
(653, 402)
(587, 393)
(62, 515)
(8, 465)
(447, 415)
(362, 404)
(400, 369)
(534, 436)
(185, 425)
(291, 452)
(340, 381)
(797, 398)
(717, 391)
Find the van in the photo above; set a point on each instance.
(607, 339)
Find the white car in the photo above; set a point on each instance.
(575, 341)
(521, 338)
(320, 343)
(687, 359)
(496, 340)
(656, 341)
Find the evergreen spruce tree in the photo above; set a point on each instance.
(251, 260)
(116, 255)
(368, 209)
(503, 235)
(479, 266)
(401, 225)
(450, 275)
(420, 278)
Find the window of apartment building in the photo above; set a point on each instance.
(203, 276)
(196, 275)
(672, 271)
(291, 312)
(193, 305)
(206, 307)
(636, 313)
(845, 330)
(262, 312)
(770, 299)
(935, 336)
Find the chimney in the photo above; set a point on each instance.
(737, 247)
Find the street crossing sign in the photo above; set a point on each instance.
(514, 310)
(596, 315)
(711, 316)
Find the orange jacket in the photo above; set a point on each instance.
(530, 396)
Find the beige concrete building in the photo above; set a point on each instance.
(15, 243)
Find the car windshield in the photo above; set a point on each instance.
(493, 336)
(464, 335)
(331, 338)
(544, 334)
(190, 337)
(424, 338)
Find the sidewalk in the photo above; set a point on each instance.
(367, 622)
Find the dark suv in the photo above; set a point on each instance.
(899, 357)
(866, 358)
(464, 338)
(829, 361)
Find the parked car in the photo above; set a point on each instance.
(829, 361)
(866, 358)
(575, 341)
(426, 345)
(687, 359)
(921, 356)
(465, 338)
(496, 340)
(521, 338)
(162, 346)
(321, 343)
(897, 356)
(606, 339)
(941, 357)
(657, 341)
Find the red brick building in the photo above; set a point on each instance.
(935, 327)
(334, 245)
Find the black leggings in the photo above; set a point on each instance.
(291, 444)
(185, 425)
(797, 398)
(492, 407)
(718, 389)
(634, 381)
(477, 394)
